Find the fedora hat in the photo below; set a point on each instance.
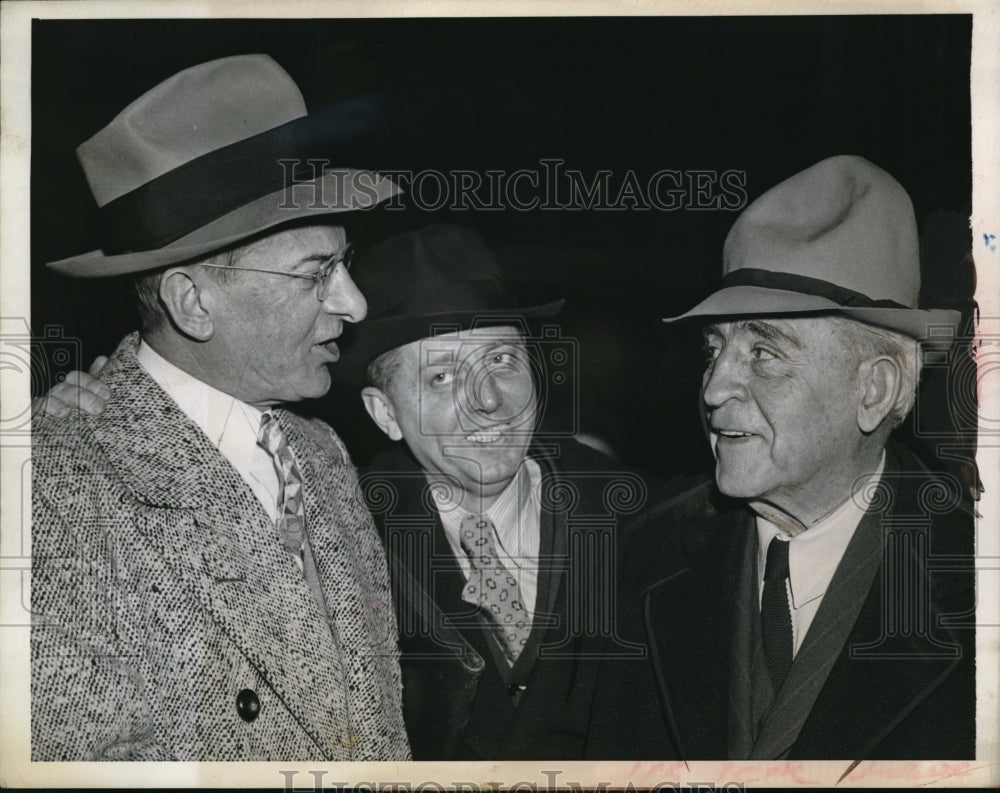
(440, 279)
(838, 237)
(207, 158)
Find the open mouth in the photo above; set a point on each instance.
(733, 435)
(330, 348)
(487, 436)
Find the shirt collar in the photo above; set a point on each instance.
(215, 412)
(814, 554)
(515, 501)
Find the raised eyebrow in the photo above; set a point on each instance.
(501, 344)
(710, 332)
(515, 348)
(439, 358)
(772, 332)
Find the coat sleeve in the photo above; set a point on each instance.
(88, 698)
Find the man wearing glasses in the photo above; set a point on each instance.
(206, 582)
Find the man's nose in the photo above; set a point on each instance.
(485, 395)
(725, 379)
(345, 299)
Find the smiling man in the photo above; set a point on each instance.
(818, 605)
(502, 539)
(206, 582)
(778, 395)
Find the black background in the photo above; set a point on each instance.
(767, 96)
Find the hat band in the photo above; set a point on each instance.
(481, 294)
(791, 282)
(202, 190)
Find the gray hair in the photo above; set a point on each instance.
(152, 312)
(869, 341)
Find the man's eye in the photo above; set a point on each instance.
(308, 281)
(441, 378)
(711, 352)
(760, 353)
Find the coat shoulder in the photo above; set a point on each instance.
(322, 435)
(65, 452)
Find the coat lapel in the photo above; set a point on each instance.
(352, 569)
(547, 628)
(689, 621)
(823, 643)
(553, 551)
(416, 543)
(216, 537)
(747, 654)
(857, 675)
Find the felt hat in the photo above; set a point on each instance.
(838, 237)
(440, 279)
(210, 157)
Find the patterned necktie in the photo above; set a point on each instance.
(492, 587)
(775, 617)
(291, 513)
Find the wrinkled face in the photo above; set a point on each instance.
(279, 339)
(781, 399)
(465, 405)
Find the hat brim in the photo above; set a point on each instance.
(371, 338)
(744, 301)
(336, 191)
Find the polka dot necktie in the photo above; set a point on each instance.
(775, 617)
(291, 513)
(492, 588)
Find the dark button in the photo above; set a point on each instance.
(247, 704)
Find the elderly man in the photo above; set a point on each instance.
(818, 605)
(206, 584)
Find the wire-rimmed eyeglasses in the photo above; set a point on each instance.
(320, 278)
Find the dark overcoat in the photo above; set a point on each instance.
(461, 701)
(886, 671)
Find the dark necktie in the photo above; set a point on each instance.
(775, 617)
(492, 587)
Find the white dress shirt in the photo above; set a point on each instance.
(516, 515)
(813, 556)
(231, 425)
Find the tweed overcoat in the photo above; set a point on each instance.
(885, 672)
(168, 621)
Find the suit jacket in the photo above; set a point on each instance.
(461, 700)
(169, 622)
(886, 671)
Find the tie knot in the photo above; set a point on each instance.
(776, 567)
(270, 437)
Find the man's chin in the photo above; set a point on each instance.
(735, 484)
(492, 474)
(317, 386)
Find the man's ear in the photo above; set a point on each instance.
(187, 303)
(879, 382)
(382, 411)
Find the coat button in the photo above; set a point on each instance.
(247, 704)
(514, 689)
